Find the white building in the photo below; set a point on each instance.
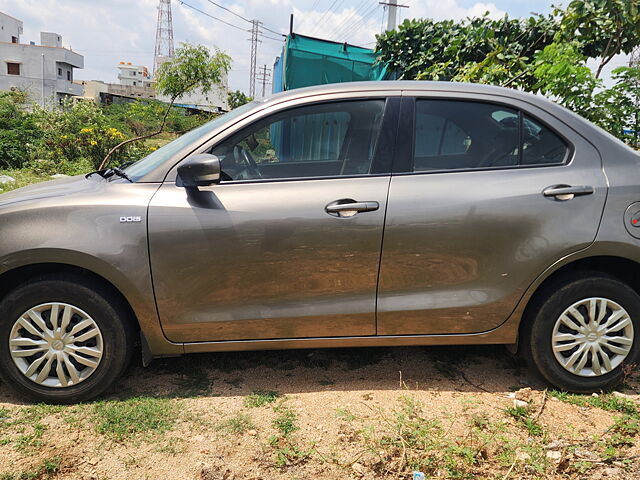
(134, 75)
(44, 71)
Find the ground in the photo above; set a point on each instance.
(451, 412)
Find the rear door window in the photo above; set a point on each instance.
(463, 135)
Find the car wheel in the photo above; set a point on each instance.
(584, 333)
(63, 339)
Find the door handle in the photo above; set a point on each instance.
(567, 192)
(348, 207)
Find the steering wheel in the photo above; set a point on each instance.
(248, 160)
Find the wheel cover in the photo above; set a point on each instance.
(592, 337)
(56, 345)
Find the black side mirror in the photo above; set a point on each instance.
(199, 171)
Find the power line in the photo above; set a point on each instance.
(319, 24)
(344, 25)
(240, 16)
(211, 16)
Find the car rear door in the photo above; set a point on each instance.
(484, 197)
(288, 244)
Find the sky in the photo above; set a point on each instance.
(109, 31)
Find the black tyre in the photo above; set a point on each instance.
(583, 333)
(63, 339)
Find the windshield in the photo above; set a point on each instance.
(147, 164)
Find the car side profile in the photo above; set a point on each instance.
(347, 215)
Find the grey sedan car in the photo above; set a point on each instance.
(359, 214)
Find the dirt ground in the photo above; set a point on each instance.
(452, 412)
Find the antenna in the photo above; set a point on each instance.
(164, 35)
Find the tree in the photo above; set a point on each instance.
(192, 68)
(605, 28)
(237, 99)
(475, 49)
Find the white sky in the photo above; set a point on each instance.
(109, 31)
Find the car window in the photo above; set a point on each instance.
(541, 146)
(329, 139)
(455, 135)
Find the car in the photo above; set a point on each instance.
(348, 215)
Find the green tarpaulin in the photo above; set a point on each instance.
(307, 61)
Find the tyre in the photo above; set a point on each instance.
(63, 339)
(582, 334)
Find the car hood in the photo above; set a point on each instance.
(60, 187)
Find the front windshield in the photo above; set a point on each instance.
(147, 164)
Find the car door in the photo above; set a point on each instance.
(288, 244)
(485, 197)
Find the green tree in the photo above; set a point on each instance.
(621, 106)
(237, 98)
(192, 68)
(604, 28)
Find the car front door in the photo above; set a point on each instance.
(288, 244)
(486, 196)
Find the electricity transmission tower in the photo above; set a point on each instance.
(392, 13)
(264, 76)
(253, 73)
(164, 35)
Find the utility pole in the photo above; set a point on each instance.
(264, 77)
(392, 13)
(164, 35)
(253, 73)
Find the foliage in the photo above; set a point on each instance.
(237, 99)
(76, 133)
(604, 28)
(193, 67)
(17, 130)
(473, 49)
(260, 398)
(620, 112)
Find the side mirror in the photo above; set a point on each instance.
(199, 171)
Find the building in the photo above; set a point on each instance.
(44, 71)
(108, 93)
(134, 75)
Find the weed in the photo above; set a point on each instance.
(285, 422)
(120, 420)
(47, 469)
(523, 416)
(607, 402)
(260, 398)
(239, 424)
(345, 414)
(287, 454)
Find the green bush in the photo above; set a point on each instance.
(18, 131)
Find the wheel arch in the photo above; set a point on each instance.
(11, 279)
(621, 268)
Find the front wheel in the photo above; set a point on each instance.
(584, 333)
(63, 339)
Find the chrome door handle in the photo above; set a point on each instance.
(567, 192)
(348, 208)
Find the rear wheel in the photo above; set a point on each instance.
(63, 339)
(584, 333)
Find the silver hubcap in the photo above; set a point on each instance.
(592, 337)
(56, 345)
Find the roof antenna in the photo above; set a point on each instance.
(293, 35)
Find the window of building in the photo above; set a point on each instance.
(69, 75)
(324, 140)
(133, 74)
(14, 39)
(460, 135)
(13, 68)
(134, 84)
(59, 72)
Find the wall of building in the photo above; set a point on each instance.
(10, 28)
